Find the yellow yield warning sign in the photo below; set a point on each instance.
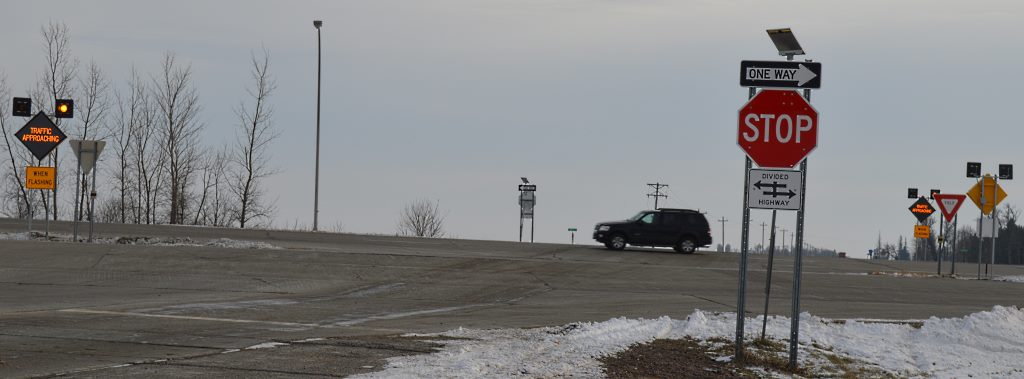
(922, 231)
(40, 177)
(993, 194)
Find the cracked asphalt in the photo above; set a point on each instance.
(332, 305)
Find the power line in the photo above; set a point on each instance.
(657, 192)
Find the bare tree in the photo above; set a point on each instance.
(126, 128)
(250, 157)
(14, 189)
(149, 163)
(421, 218)
(178, 104)
(56, 81)
(93, 104)
(213, 207)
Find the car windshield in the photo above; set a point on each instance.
(637, 216)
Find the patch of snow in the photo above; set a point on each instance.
(155, 241)
(984, 344)
(15, 236)
(266, 345)
(240, 244)
(1014, 279)
(904, 274)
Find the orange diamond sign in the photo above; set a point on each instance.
(993, 194)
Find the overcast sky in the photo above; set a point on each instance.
(454, 100)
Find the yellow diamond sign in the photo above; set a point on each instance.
(993, 195)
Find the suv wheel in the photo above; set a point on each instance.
(686, 245)
(618, 242)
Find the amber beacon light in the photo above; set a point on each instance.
(64, 108)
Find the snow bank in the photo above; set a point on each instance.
(157, 241)
(984, 344)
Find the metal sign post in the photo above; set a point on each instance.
(744, 241)
(527, 202)
(87, 152)
(798, 262)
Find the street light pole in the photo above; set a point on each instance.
(316, 181)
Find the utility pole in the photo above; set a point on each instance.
(723, 220)
(763, 224)
(657, 193)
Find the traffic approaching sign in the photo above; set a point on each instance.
(780, 74)
(774, 189)
(40, 135)
(778, 128)
(921, 209)
(949, 204)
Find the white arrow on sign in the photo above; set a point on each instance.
(801, 74)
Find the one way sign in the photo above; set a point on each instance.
(773, 189)
(780, 74)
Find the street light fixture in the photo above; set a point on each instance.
(316, 181)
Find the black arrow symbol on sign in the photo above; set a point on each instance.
(790, 194)
(773, 185)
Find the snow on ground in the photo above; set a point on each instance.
(158, 241)
(985, 344)
(1014, 279)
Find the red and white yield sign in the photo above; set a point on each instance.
(778, 128)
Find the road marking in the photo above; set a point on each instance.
(405, 314)
(390, 316)
(194, 318)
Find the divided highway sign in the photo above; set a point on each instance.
(774, 189)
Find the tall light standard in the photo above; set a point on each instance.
(316, 181)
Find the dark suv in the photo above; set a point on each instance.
(683, 229)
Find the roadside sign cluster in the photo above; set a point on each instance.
(527, 201)
(777, 129)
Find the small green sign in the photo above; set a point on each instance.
(572, 229)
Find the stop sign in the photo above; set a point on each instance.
(778, 128)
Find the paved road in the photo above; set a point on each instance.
(341, 302)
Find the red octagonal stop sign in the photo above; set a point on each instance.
(778, 128)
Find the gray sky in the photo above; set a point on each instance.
(454, 100)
